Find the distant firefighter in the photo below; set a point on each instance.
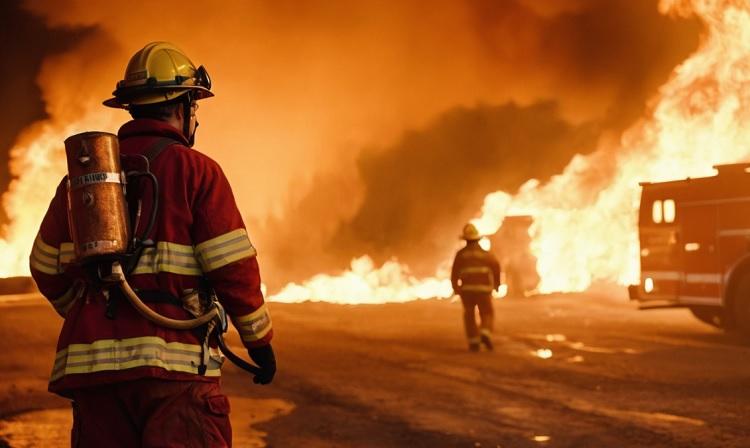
(475, 275)
(134, 382)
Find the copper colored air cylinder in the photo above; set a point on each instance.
(97, 209)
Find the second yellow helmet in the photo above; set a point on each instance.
(471, 233)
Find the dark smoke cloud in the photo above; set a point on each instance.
(418, 193)
(607, 57)
(25, 42)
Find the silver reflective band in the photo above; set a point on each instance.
(95, 178)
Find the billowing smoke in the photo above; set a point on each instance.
(418, 193)
(25, 42)
(317, 98)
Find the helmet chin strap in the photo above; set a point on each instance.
(190, 136)
(191, 139)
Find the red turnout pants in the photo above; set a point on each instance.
(151, 413)
(486, 315)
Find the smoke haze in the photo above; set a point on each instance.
(413, 112)
(25, 42)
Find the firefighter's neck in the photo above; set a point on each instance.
(177, 121)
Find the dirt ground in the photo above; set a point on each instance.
(584, 370)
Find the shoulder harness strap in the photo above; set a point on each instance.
(158, 146)
(153, 151)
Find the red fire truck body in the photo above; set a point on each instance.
(695, 246)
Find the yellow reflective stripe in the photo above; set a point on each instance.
(476, 288)
(67, 253)
(169, 257)
(122, 354)
(47, 259)
(254, 315)
(255, 325)
(251, 337)
(44, 247)
(44, 257)
(213, 243)
(473, 287)
(224, 249)
(476, 270)
(42, 266)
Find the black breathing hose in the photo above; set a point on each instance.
(236, 360)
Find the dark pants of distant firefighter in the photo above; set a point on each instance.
(151, 412)
(483, 301)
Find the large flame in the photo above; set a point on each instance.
(38, 161)
(363, 283)
(584, 219)
(585, 230)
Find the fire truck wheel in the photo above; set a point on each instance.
(708, 315)
(741, 306)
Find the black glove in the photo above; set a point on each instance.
(265, 359)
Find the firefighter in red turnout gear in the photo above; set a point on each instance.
(132, 382)
(475, 275)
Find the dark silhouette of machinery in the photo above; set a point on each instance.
(511, 244)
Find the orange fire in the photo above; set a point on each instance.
(584, 219)
(699, 119)
(363, 283)
(38, 162)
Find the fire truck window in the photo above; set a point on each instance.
(656, 212)
(669, 210)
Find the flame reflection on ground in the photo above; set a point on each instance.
(543, 353)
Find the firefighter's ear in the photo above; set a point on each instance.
(178, 112)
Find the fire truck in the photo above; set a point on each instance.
(695, 247)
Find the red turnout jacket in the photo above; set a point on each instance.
(475, 271)
(199, 232)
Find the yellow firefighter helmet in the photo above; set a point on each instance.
(471, 233)
(157, 73)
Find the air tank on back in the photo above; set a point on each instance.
(97, 208)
